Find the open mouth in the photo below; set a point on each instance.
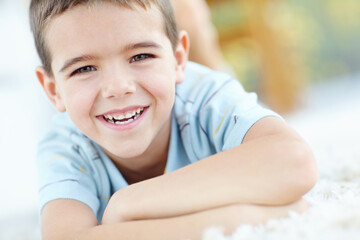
(124, 118)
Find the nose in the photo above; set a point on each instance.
(117, 83)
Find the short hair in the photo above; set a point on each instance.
(42, 11)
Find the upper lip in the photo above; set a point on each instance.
(123, 110)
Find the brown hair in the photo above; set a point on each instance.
(42, 11)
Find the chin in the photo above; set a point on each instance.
(126, 153)
(130, 155)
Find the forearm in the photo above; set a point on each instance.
(267, 177)
(190, 226)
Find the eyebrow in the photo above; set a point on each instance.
(128, 47)
(147, 44)
(73, 61)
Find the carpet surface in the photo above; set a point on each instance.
(330, 124)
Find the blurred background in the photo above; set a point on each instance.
(301, 56)
(278, 47)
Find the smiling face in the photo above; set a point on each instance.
(114, 72)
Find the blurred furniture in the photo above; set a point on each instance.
(194, 17)
(280, 82)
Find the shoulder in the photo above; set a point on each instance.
(68, 165)
(62, 130)
(201, 81)
(64, 141)
(204, 89)
(61, 127)
(213, 111)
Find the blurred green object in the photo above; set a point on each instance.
(331, 34)
(325, 34)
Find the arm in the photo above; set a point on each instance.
(273, 166)
(70, 219)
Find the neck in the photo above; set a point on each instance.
(139, 175)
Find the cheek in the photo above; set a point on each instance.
(79, 109)
(161, 84)
(163, 90)
(80, 99)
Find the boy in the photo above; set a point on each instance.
(117, 68)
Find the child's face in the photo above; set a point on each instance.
(114, 72)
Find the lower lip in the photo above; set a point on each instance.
(123, 127)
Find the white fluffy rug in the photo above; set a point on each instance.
(331, 127)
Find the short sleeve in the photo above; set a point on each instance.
(64, 172)
(214, 112)
(229, 114)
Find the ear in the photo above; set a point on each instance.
(181, 56)
(49, 86)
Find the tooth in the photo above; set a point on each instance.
(119, 117)
(124, 122)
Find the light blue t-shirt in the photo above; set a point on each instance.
(212, 113)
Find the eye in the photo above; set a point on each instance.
(141, 57)
(83, 70)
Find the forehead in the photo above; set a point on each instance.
(102, 26)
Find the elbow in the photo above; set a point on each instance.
(303, 173)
